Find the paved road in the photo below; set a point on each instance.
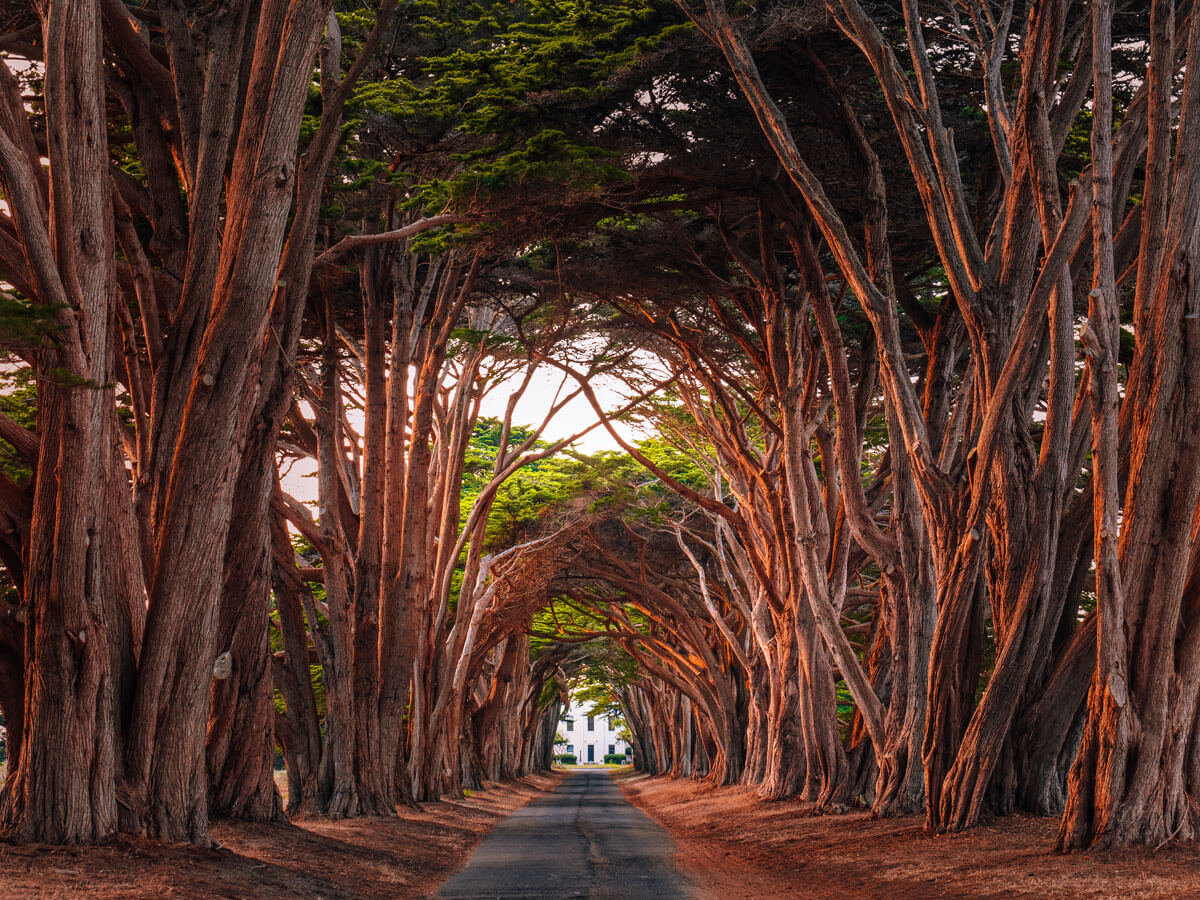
(584, 840)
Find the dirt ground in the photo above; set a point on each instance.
(741, 847)
(399, 859)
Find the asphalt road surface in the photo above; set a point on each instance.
(583, 840)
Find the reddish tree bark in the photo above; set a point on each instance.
(1134, 774)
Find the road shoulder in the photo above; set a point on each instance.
(741, 847)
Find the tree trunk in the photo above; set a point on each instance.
(63, 776)
(300, 736)
(1132, 781)
(82, 588)
(785, 748)
(241, 733)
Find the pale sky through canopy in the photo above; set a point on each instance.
(574, 417)
(299, 480)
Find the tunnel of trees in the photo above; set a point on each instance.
(901, 301)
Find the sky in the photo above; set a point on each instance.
(301, 483)
(574, 417)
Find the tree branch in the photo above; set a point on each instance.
(346, 244)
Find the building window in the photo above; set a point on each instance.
(570, 723)
(591, 752)
(570, 748)
(612, 748)
(591, 723)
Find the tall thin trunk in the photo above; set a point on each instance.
(241, 734)
(82, 588)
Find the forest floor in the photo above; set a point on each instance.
(352, 859)
(739, 847)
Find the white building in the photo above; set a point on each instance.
(590, 738)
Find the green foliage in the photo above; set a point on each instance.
(308, 554)
(845, 704)
(551, 691)
(482, 451)
(549, 158)
(601, 482)
(18, 401)
(547, 489)
(499, 59)
(561, 620)
(23, 322)
(496, 97)
(595, 687)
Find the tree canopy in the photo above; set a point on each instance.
(898, 298)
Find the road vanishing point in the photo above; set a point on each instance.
(583, 840)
